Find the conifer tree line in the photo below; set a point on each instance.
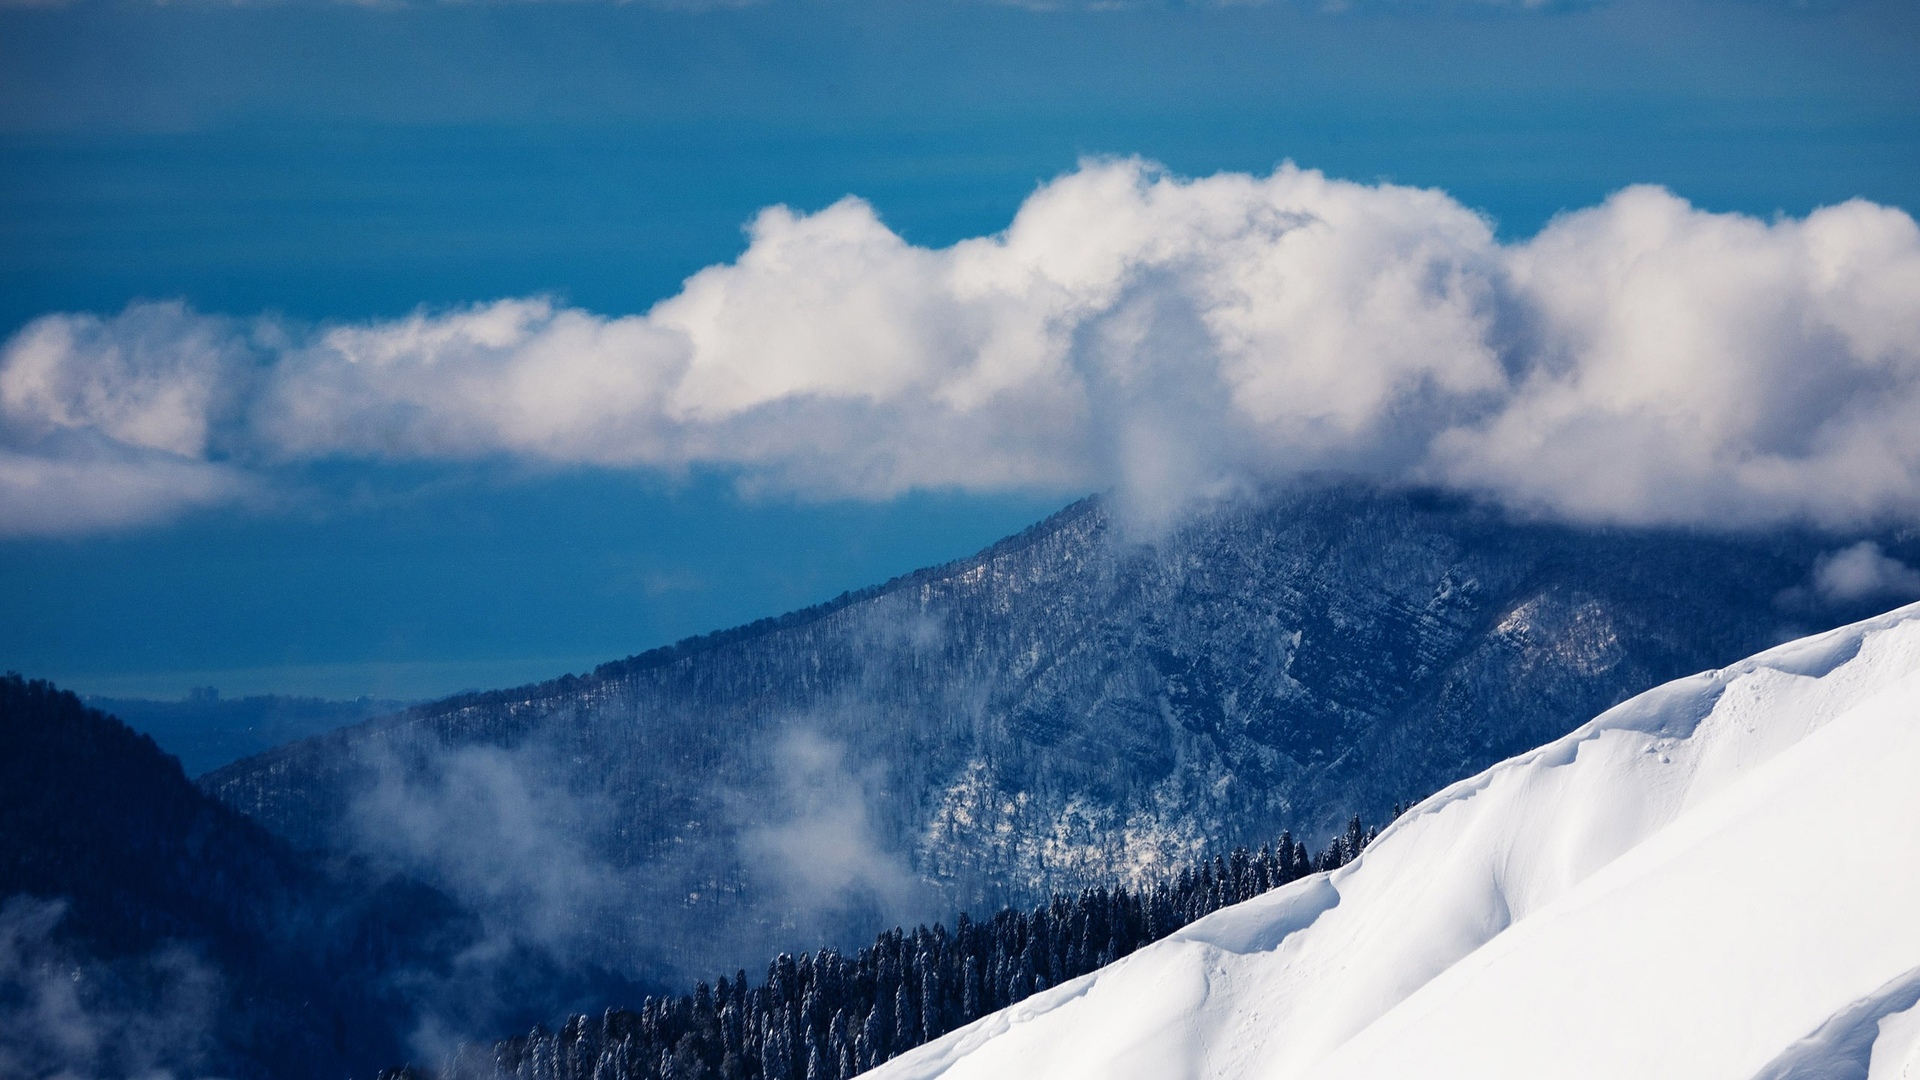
(829, 1016)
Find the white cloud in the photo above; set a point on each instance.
(1679, 365)
(50, 495)
(156, 377)
(1864, 572)
(109, 422)
(1638, 361)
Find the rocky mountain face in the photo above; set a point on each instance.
(1073, 705)
(1627, 900)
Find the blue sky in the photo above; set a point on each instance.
(326, 164)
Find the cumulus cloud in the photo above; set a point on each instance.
(1640, 361)
(111, 422)
(1692, 366)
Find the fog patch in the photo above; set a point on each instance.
(65, 1017)
(522, 855)
(1864, 572)
(479, 821)
(895, 625)
(1860, 574)
(789, 853)
(817, 848)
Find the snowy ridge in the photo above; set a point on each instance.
(1718, 878)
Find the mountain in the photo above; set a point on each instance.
(206, 731)
(1716, 879)
(1079, 704)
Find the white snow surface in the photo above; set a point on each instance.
(1719, 878)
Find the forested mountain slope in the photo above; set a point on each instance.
(1071, 706)
(831, 1016)
(1713, 881)
(147, 927)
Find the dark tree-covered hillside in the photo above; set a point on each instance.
(118, 872)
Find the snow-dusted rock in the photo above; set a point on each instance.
(1071, 707)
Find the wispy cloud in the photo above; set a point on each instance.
(57, 490)
(783, 856)
(816, 843)
(1864, 572)
(482, 822)
(1637, 361)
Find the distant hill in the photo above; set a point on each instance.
(145, 926)
(206, 731)
(1071, 706)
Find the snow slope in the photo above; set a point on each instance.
(1718, 878)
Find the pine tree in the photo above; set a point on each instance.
(971, 999)
(906, 1021)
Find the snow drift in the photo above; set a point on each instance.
(1718, 878)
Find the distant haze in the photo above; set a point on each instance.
(206, 731)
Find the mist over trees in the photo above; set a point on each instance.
(146, 927)
(831, 1016)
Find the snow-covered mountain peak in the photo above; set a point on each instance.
(1714, 879)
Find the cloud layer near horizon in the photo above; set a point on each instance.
(1640, 361)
